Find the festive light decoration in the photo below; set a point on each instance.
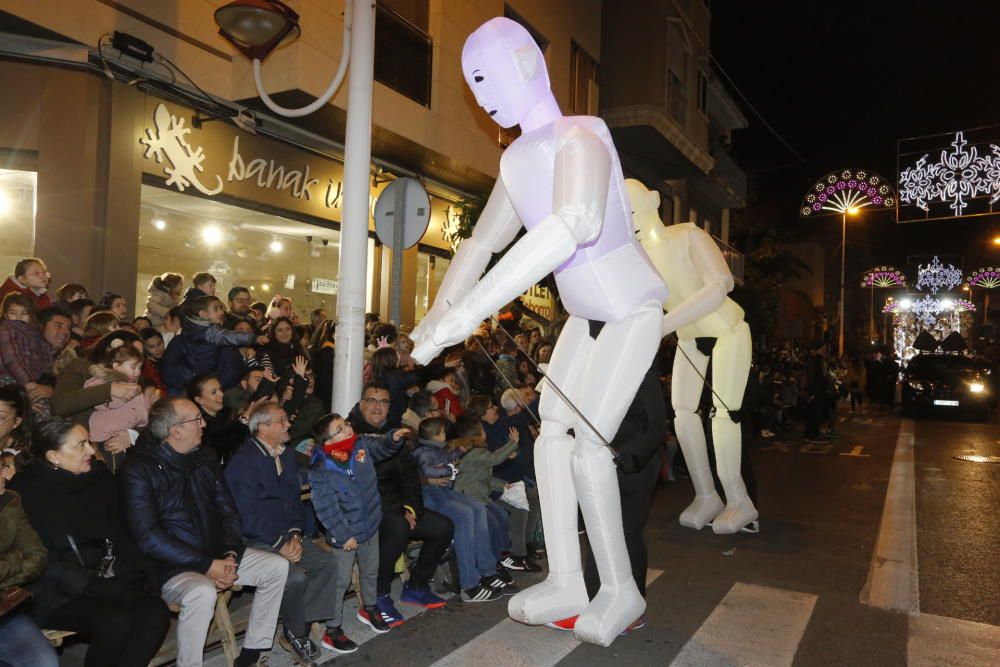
(958, 175)
(964, 306)
(987, 278)
(883, 276)
(891, 308)
(937, 276)
(841, 191)
(926, 309)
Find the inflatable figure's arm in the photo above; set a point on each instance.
(496, 227)
(580, 192)
(718, 282)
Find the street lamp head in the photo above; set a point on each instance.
(854, 210)
(257, 27)
(996, 240)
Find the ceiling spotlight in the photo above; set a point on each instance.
(160, 224)
(212, 235)
(253, 289)
(276, 246)
(256, 27)
(265, 286)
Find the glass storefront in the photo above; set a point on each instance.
(430, 273)
(17, 217)
(266, 253)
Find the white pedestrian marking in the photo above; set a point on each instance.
(514, 644)
(855, 451)
(935, 641)
(892, 577)
(752, 625)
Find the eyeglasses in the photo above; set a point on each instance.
(199, 418)
(384, 402)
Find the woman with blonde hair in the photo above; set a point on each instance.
(164, 292)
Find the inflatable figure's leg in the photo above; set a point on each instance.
(685, 392)
(730, 368)
(622, 353)
(563, 593)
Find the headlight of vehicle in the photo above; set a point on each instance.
(916, 384)
(976, 387)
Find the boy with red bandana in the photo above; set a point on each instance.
(347, 503)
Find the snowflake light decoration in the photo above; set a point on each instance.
(958, 175)
(927, 309)
(987, 278)
(937, 276)
(840, 191)
(964, 306)
(883, 276)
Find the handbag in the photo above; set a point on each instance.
(12, 597)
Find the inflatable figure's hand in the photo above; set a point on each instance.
(668, 326)
(421, 334)
(454, 327)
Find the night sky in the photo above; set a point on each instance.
(842, 82)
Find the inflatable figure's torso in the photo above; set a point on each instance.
(609, 277)
(669, 253)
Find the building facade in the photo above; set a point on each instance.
(671, 116)
(116, 170)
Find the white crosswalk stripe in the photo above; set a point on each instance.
(936, 641)
(514, 644)
(751, 626)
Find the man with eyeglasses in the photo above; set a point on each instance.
(263, 477)
(239, 309)
(30, 278)
(182, 516)
(403, 515)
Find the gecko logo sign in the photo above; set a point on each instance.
(166, 141)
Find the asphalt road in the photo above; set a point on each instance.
(791, 595)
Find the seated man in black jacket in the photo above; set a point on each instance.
(180, 512)
(403, 515)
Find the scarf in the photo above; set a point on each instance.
(341, 451)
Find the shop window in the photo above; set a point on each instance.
(582, 81)
(430, 273)
(268, 254)
(17, 217)
(403, 50)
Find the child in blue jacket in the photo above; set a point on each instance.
(205, 347)
(347, 503)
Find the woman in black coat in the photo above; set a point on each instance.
(97, 582)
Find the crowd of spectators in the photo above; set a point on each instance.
(162, 459)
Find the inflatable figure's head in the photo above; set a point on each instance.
(505, 70)
(645, 211)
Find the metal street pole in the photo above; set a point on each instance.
(348, 360)
(843, 255)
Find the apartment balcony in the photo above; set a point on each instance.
(734, 259)
(725, 185)
(652, 143)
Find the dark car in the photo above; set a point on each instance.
(949, 383)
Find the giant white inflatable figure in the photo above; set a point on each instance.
(701, 313)
(561, 179)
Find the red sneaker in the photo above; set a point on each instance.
(566, 624)
(636, 624)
